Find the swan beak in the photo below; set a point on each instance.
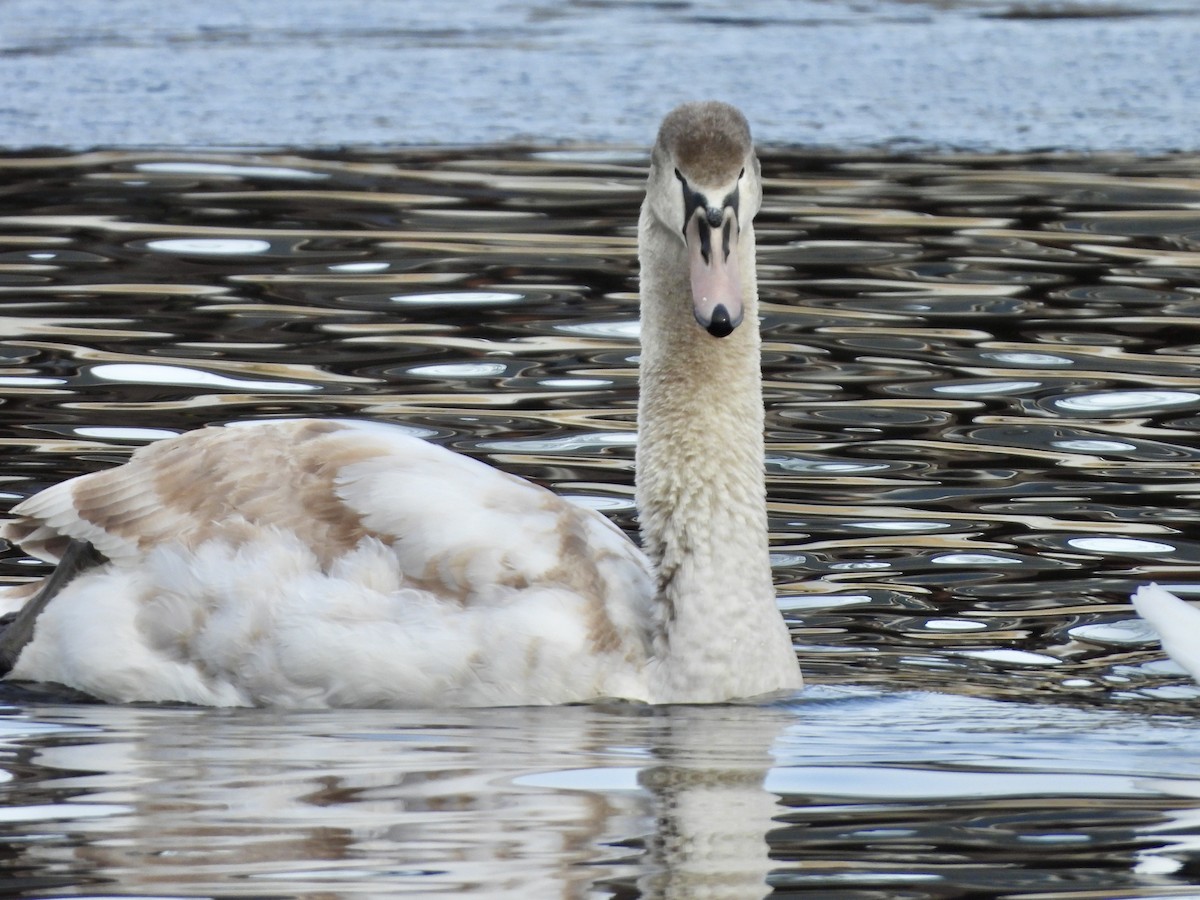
(715, 275)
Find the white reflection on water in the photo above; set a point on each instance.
(360, 267)
(630, 330)
(1127, 631)
(1094, 446)
(679, 802)
(124, 434)
(565, 444)
(1120, 545)
(906, 526)
(232, 170)
(459, 370)
(1012, 657)
(1030, 359)
(31, 381)
(954, 625)
(973, 559)
(460, 298)
(987, 388)
(181, 375)
(1124, 401)
(210, 246)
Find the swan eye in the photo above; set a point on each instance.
(742, 174)
(682, 180)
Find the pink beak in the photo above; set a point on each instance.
(715, 275)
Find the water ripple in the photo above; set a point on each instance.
(982, 392)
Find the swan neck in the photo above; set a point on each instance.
(700, 477)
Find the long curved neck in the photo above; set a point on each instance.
(700, 485)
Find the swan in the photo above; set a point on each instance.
(314, 563)
(1176, 621)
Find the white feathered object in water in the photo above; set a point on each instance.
(315, 563)
(1176, 621)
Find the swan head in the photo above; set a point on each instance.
(704, 190)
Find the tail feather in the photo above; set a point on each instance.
(1177, 624)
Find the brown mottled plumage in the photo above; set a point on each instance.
(186, 491)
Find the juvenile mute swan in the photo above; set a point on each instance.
(309, 563)
(1177, 623)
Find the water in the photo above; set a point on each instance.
(846, 793)
(982, 401)
(1094, 75)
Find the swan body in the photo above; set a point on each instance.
(311, 563)
(308, 563)
(1177, 623)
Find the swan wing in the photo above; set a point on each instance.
(1177, 623)
(248, 564)
(473, 534)
(210, 483)
(447, 517)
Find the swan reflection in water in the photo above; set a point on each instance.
(532, 802)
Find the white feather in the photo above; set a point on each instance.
(458, 594)
(1177, 623)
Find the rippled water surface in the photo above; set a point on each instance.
(983, 405)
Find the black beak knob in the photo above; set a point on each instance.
(721, 325)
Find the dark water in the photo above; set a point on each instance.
(983, 393)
